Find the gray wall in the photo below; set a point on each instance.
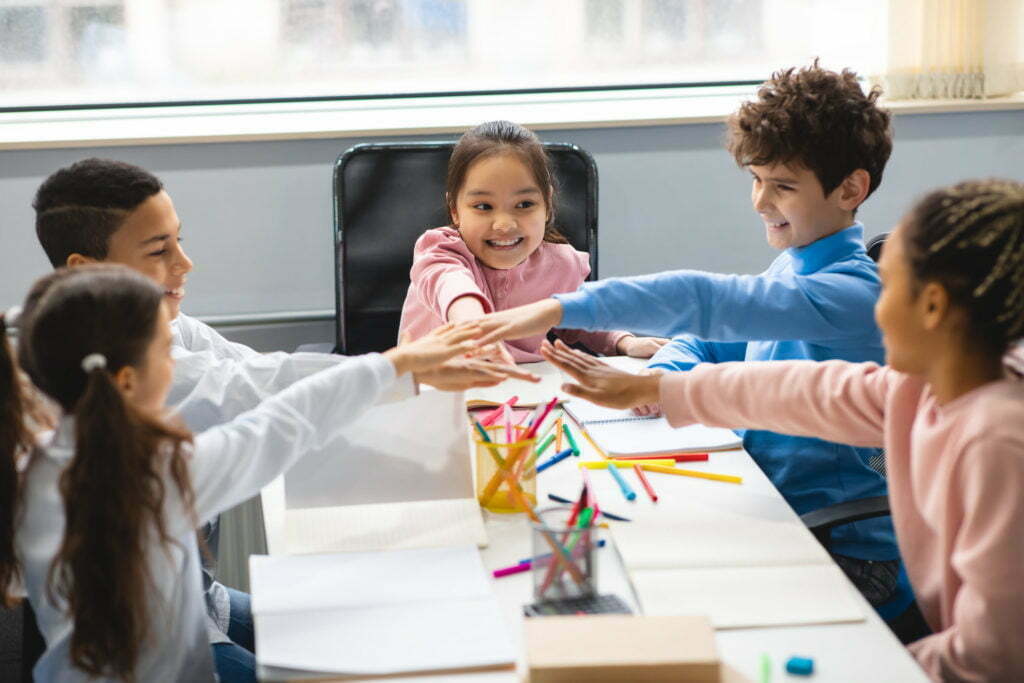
(257, 216)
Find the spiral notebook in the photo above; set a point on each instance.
(621, 433)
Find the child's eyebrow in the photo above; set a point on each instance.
(155, 238)
(528, 190)
(782, 179)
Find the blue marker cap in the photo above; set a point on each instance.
(800, 666)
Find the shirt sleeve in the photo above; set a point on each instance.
(233, 461)
(832, 400)
(821, 307)
(983, 642)
(442, 272)
(210, 389)
(685, 351)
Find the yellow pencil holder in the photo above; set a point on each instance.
(501, 466)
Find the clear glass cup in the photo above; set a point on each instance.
(564, 557)
(501, 466)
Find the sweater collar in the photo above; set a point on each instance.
(835, 247)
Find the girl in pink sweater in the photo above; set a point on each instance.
(502, 248)
(951, 422)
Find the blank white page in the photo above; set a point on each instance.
(747, 597)
(386, 526)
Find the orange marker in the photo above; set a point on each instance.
(647, 485)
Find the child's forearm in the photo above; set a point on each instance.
(464, 308)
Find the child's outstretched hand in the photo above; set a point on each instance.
(495, 353)
(640, 347)
(599, 382)
(652, 409)
(459, 374)
(438, 345)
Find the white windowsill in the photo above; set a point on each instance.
(412, 116)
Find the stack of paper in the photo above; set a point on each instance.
(741, 571)
(378, 614)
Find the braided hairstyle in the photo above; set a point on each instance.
(970, 239)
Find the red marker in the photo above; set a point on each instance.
(647, 485)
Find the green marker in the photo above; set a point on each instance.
(572, 441)
(544, 444)
(766, 668)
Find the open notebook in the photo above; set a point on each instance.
(620, 433)
(399, 477)
(377, 614)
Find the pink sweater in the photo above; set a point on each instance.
(443, 269)
(956, 486)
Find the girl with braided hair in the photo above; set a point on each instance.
(951, 422)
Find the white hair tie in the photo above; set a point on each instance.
(94, 361)
(12, 315)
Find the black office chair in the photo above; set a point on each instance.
(386, 195)
(896, 611)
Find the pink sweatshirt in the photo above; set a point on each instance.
(956, 486)
(443, 269)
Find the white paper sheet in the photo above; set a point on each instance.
(746, 597)
(387, 526)
(378, 613)
(691, 534)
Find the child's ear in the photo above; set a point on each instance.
(77, 259)
(933, 306)
(854, 189)
(125, 380)
(453, 211)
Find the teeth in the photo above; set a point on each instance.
(505, 243)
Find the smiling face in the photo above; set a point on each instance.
(500, 211)
(149, 241)
(793, 206)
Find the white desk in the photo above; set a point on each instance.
(862, 651)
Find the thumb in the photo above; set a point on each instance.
(404, 337)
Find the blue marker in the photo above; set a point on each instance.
(627, 490)
(554, 460)
(800, 666)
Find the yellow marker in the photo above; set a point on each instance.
(692, 473)
(603, 464)
(596, 447)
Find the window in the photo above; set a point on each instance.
(82, 52)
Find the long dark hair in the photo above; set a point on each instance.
(970, 239)
(504, 137)
(14, 440)
(114, 488)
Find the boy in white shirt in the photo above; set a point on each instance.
(99, 210)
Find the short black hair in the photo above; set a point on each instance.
(79, 207)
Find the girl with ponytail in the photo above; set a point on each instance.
(951, 422)
(109, 507)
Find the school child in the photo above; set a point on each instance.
(951, 422)
(502, 248)
(104, 526)
(815, 146)
(101, 210)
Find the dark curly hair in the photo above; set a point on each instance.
(79, 207)
(818, 119)
(970, 239)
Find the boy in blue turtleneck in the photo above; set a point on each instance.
(815, 146)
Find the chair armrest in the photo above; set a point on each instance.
(821, 522)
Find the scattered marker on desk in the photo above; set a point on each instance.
(617, 518)
(766, 668)
(647, 485)
(572, 441)
(554, 460)
(627, 490)
(800, 666)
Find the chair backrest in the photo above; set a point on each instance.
(386, 195)
(874, 246)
